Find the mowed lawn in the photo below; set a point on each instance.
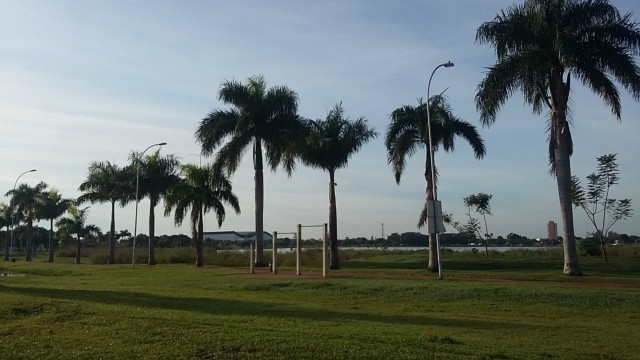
(509, 308)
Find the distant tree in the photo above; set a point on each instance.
(480, 204)
(157, 175)
(328, 146)
(539, 45)
(596, 201)
(51, 207)
(75, 224)
(26, 200)
(107, 182)
(201, 190)
(260, 118)
(408, 131)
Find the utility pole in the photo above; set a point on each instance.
(382, 230)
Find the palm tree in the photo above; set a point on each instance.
(539, 44)
(408, 131)
(51, 207)
(107, 182)
(76, 224)
(260, 118)
(5, 220)
(157, 175)
(202, 189)
(25, 201)
(329, 145)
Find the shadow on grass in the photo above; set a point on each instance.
(247, 308)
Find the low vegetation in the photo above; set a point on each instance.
(381, 305)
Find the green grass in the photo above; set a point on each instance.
(383, 306)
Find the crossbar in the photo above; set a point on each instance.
(304, 226)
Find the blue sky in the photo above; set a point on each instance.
(88, 81)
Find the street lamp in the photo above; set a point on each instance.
(433, 169)
(8, 254)
(135, 223)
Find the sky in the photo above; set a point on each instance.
(84, 81)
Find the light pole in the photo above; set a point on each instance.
(135, 223)
(8, 254)
(433, 169)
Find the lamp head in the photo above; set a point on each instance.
(32, 170)
(164, 143)
(448, 64)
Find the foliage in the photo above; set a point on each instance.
(26, 202)
(259, 117)
(51, 207)
(76, 225)
(156, 175)
(588, 247)
(480, 204)
(596, 201)
(408, 132)
(202, 189)
(107, 182)
(538, 45)
(328, 146)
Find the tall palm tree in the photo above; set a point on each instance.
(328, 146)
(76, 224)
(258, 118)
(51, 207)
(5, 220)
(157, 175)
(107, 182)
(408, 131)
(200, 190)
(539, 44)
(26, 200)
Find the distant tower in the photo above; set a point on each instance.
(552, 231)
(382, 230)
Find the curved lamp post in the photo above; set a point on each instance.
(433, 171)
(135, 223)
(8, 254)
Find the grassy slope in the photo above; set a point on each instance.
(62, 311)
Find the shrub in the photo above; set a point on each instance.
(589, 247)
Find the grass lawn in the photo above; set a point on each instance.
(380, 306)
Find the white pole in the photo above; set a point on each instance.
(274, 253)
(325, 273)
(298, 248)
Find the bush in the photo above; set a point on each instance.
(589, 247)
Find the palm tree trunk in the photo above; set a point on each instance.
(29, 240)
(259, 193)
(334, 258)
(112, 236)
(152, 237)
(50, 259)
(77, 261)
(561, 152)
(200, 240)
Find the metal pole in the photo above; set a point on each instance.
(135, 223)
(298, 248)
(274, 253)
(325, 273)
(433, 171)
(252, 268)
(12, 213)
